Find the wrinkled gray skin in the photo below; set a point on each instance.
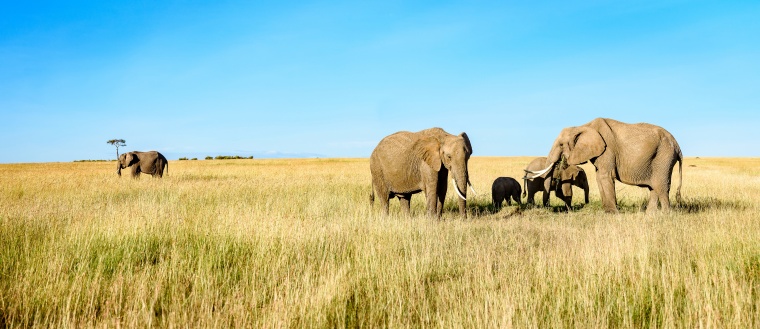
(502, 189)
(151, 163)
(561, 183)
(638, 154)
(406, 163)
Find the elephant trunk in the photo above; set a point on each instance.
(460, 180)
(118, 168)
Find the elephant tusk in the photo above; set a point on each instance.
(472, 189)
(456, 188)
(538, 173)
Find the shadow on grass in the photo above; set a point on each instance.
(702, 204)
(485, 208)
(687, 205)
(488, 209)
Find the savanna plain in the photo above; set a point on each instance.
(296, 243)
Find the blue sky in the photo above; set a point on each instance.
(331, 78)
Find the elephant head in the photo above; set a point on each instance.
(452, 153)
(455, 154)
(573, 146)
(125, 160)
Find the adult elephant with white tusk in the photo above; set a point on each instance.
(638, 154)
(406, 163)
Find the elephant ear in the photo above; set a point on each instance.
(588, 144)
(131, 158)
(467, 144)
(428, 149)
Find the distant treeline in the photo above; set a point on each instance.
(218, 157)
(221, 157)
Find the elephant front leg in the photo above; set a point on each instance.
(569, 203)
(462, 208)
(607, 190)
(434, 206)
(585, 194)
(545, 199)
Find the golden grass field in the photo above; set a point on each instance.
(295, 243)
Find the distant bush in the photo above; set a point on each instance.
(230, 157)
(194, 159)
(93, 160)
(208, 157)
(182, 158)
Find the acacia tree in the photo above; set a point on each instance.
(117, 143)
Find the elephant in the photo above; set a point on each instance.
(406, 163)
(151, 162)
(561, 182)
(502, 189)
(639, 154)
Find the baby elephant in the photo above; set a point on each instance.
(503, 188)
(560, 181)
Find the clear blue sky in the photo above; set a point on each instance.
(331, 78)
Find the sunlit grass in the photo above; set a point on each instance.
(295, 243)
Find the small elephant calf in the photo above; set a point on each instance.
(560, 181)
(503, 188)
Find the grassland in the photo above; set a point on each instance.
(295, 243)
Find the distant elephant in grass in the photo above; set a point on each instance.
(502, 189)
(559, 181)
(406, 163)
(151, 163)
(638, 154)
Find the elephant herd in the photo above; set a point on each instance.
(641, 154)
(406, 163)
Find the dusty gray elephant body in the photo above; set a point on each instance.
(504, 188)
(638, 154)
(559, 181)
(406, 163)
(151, 163)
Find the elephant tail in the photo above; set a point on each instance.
(525, 185)
(680, 177)
(372, 197)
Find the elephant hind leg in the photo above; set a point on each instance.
(383, 196)
(664, 201)
(660, 198)
(653, 201)
(405, 200)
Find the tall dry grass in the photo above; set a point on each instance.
(295, 243)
